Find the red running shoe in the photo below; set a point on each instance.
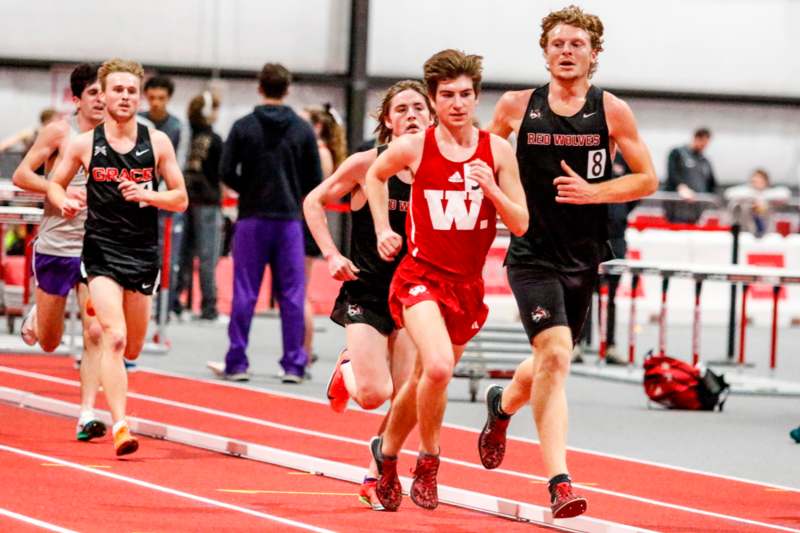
(337, 392)
(423, 490)
(565, 503)
(388, 488)
(492, 440)
(367, 495)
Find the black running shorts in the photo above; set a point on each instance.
(547, 298)
(362, 303)
(126, 269)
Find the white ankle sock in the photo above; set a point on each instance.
(87, 415)
(349, 378)
(119, 425)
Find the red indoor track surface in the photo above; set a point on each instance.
(619, 490)
(85, 501)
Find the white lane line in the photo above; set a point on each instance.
(473, 501)
(261, 422)
(346, 471)
(256, 421)
(196, 408)
(35, 522)
(166, 490)
(382, 412)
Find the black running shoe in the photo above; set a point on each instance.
(492, 440)
(388, 488)
(93, 429)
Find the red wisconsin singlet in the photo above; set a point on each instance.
(450, 224)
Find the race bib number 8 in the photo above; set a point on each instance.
(597, 164)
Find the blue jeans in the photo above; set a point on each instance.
(202, 239)
(176, 244)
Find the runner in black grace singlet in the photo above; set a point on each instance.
(567, 133)
(120, 256)
(121, 240)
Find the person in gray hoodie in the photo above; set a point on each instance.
(271, 159)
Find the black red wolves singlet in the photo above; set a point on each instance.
(562, 236)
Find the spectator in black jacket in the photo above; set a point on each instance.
(203, 227)
(688, 173)
(271, 159)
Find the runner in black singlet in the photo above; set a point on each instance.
(120, 251)
(378, 357)
(567, 133)
(121, 240)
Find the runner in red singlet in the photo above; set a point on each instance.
(462, 179)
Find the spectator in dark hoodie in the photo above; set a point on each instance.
(271, 159)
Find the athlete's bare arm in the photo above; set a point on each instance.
(348, 178)
(509, 112)
(404, 153)
(76, 155)
(642, 181)
(23, 136)
(173, 199)
(506, 193)
(51, 139)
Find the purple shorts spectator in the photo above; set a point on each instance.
(56, 275)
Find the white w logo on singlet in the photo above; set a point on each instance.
(456, 211)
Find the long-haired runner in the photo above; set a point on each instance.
(379, 357)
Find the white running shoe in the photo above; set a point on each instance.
(28, 329)
(218, 368)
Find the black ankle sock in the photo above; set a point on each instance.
(555, 480)
(426, 454)
(498, 409)
(385, 457)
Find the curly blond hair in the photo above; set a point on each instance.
(575, 16)
(118, 65)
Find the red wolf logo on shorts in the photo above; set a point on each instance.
(539, 314)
